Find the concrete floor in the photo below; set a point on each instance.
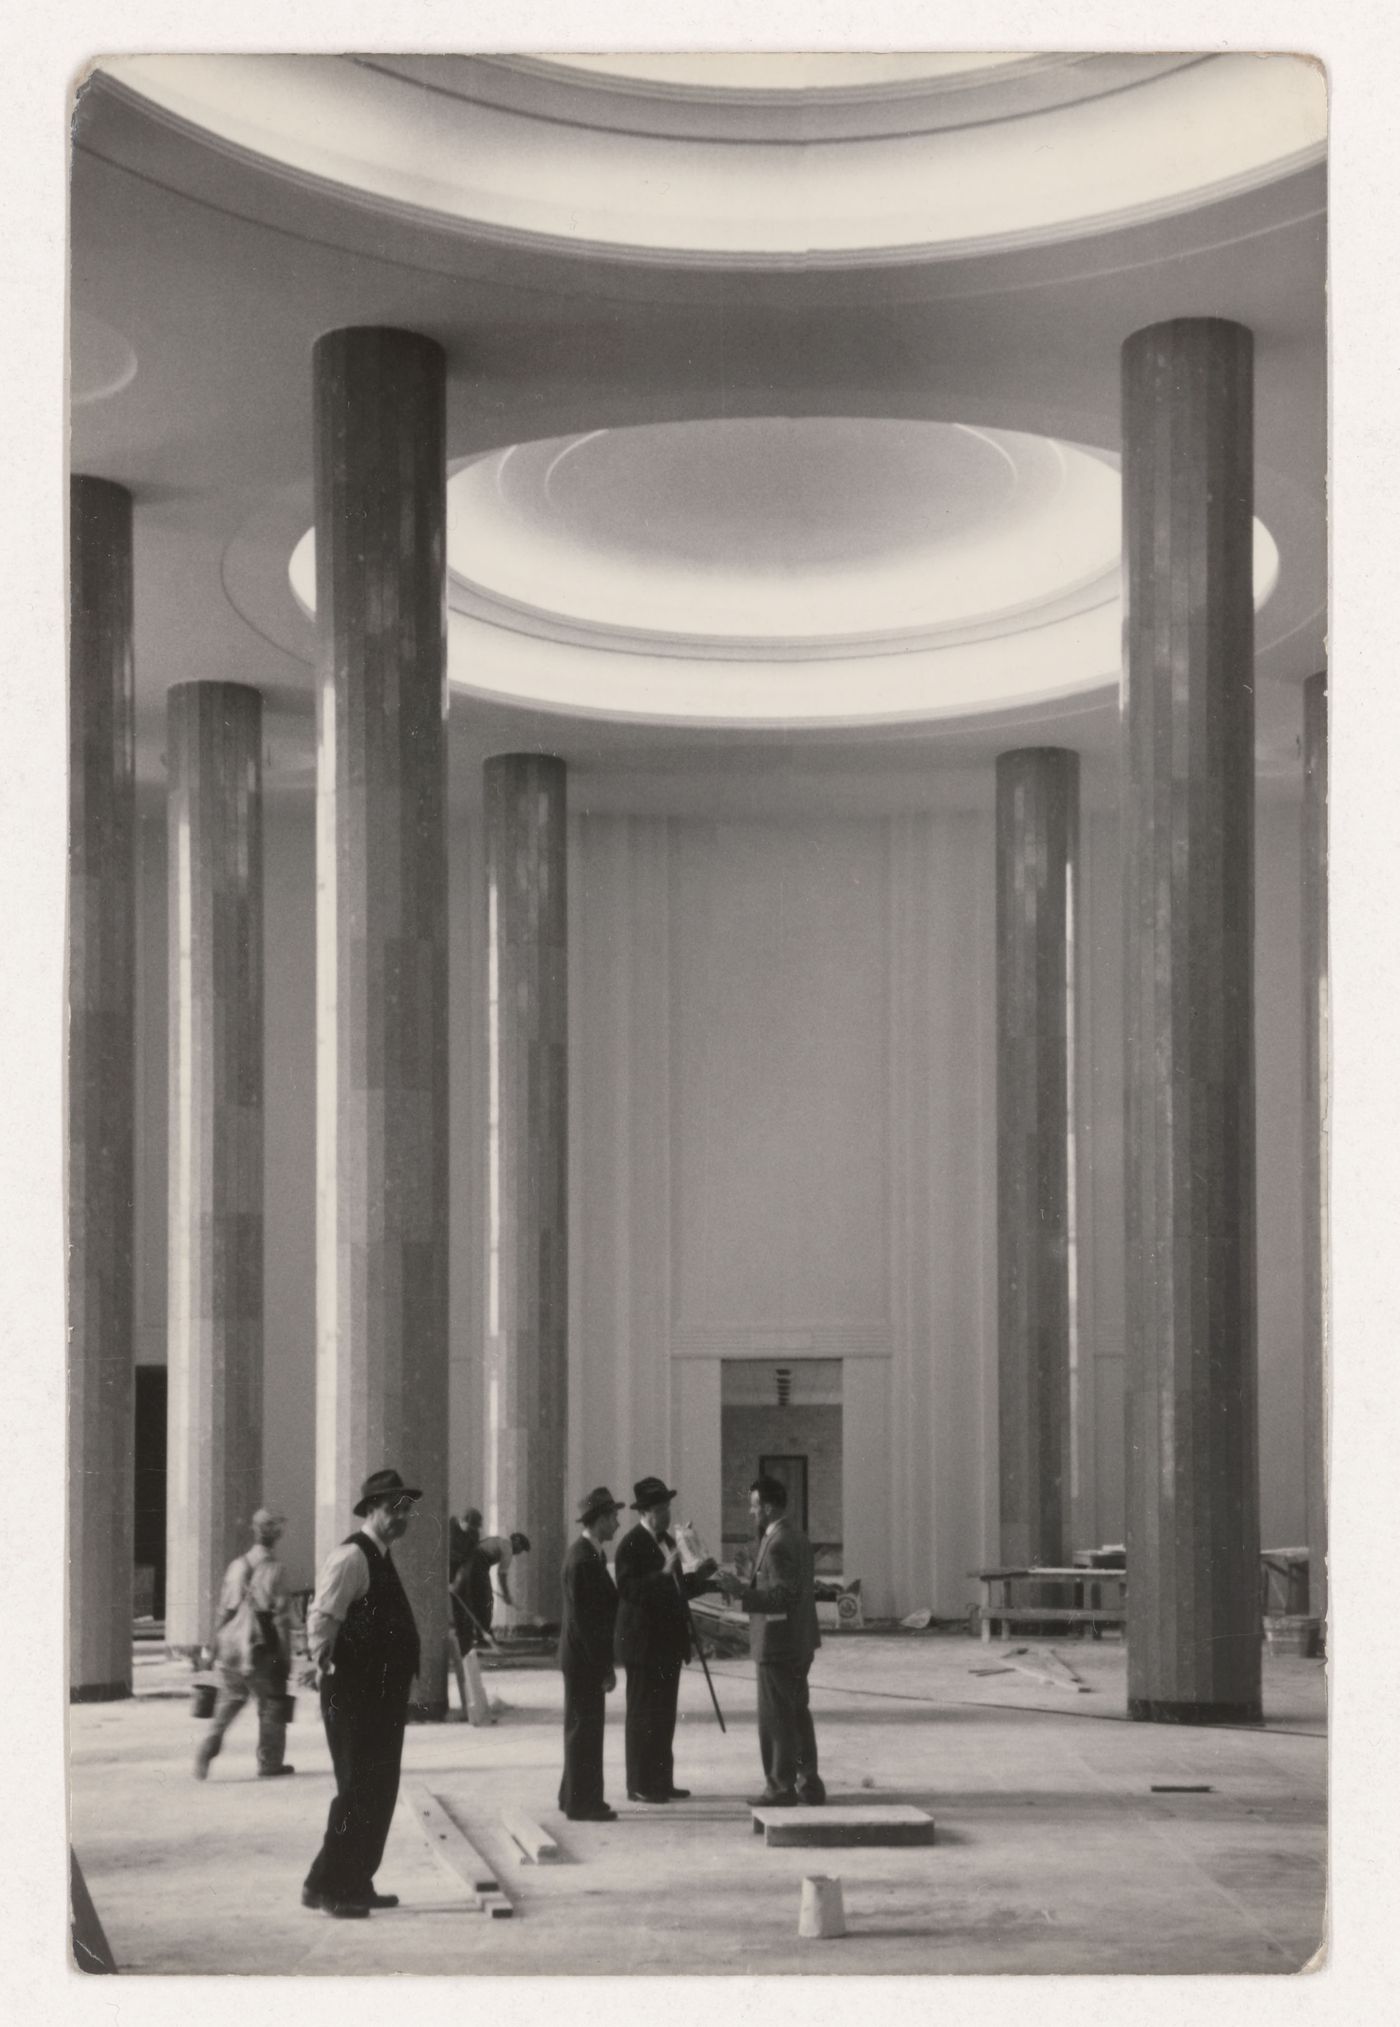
(1052, 1853)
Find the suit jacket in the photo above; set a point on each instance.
(781, 1602)
(653, 1625)
(590, 1612)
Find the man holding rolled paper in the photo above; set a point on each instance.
(654, 1639)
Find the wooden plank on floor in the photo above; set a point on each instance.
(536, 1845)
(454, 1852)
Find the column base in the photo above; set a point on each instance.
(98, 1692)
(1150, 1710)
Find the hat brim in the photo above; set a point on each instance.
(588, 1513)
(390, 1492)
(657, 1499)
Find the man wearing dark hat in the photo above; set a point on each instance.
(783, 1636)
(364, 1642)
(653, 1639)
(586, 1658)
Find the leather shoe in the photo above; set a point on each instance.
(272, 1773)
(603, 1815)
(347, 1910)
(310, 1898)
(786, 1800)
(373, 1899)
(814, 1798)
(636, 1795)
(678, 1795)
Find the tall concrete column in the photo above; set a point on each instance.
(527, 1189)
(1315, 1132)
(381, 868)
(215, 1317)
(101, 1078)
(1192, 1423)
(1037, 849)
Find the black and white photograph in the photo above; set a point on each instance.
(697, 1022)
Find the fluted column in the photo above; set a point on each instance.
(528, 1278)
(1315, 1133)
(215, 1319)
(1037, 839)
(1193, 1526)
(381, 862)
(101, 1078)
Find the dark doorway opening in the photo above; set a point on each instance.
(149, 1531)
(784, 1419)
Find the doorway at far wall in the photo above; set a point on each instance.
(149, 1530)
(783, 1417)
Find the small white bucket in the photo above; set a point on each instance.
(823, 1913)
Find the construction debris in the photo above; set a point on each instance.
(453, 1850)
(822, 1912)
(536, 1845)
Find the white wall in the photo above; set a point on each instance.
(782, 1122)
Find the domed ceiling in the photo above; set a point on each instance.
(782, 390)
(784, 571)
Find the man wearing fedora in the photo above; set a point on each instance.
(654, 1639)
(586, 1658)
(253, 1649)
(783, 1634)
(363, 1640)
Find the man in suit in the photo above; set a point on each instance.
(586, 1658)
(782, 1607)
(363, 1640)
(653, 1639)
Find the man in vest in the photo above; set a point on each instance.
(363, 1641)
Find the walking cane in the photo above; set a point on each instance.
(695, 1641)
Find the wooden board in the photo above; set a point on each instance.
(844, 1823)
(454, 1852)
(536, 1845)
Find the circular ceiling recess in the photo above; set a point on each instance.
(813, 571)
(769, 161)
(785, 71)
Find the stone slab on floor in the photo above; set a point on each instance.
(844, 1823)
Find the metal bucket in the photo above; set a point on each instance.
(203, 1697)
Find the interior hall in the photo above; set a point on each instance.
(698, 846)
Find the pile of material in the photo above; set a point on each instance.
(724, 1632)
